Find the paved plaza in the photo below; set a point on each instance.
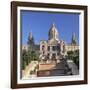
(63, 68)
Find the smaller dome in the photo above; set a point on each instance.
(53, 33)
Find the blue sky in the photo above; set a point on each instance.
(39, 24)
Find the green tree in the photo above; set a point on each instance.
(28, 56)
(70, 54)
(32, 55)
(24, 59)
(74, 56)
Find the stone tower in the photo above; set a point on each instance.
(74, 40)
(30, 39)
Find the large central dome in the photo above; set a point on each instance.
(53, 33)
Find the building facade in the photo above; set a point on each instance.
(55, 48)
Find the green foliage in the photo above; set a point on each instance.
(70, 54)
(30, 55)
(34, 56)
(23, 65)
(24, 59)
(74, 55)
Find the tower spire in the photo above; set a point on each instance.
(74, 40)
(30, 39)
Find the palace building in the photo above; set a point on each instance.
(54, 47)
